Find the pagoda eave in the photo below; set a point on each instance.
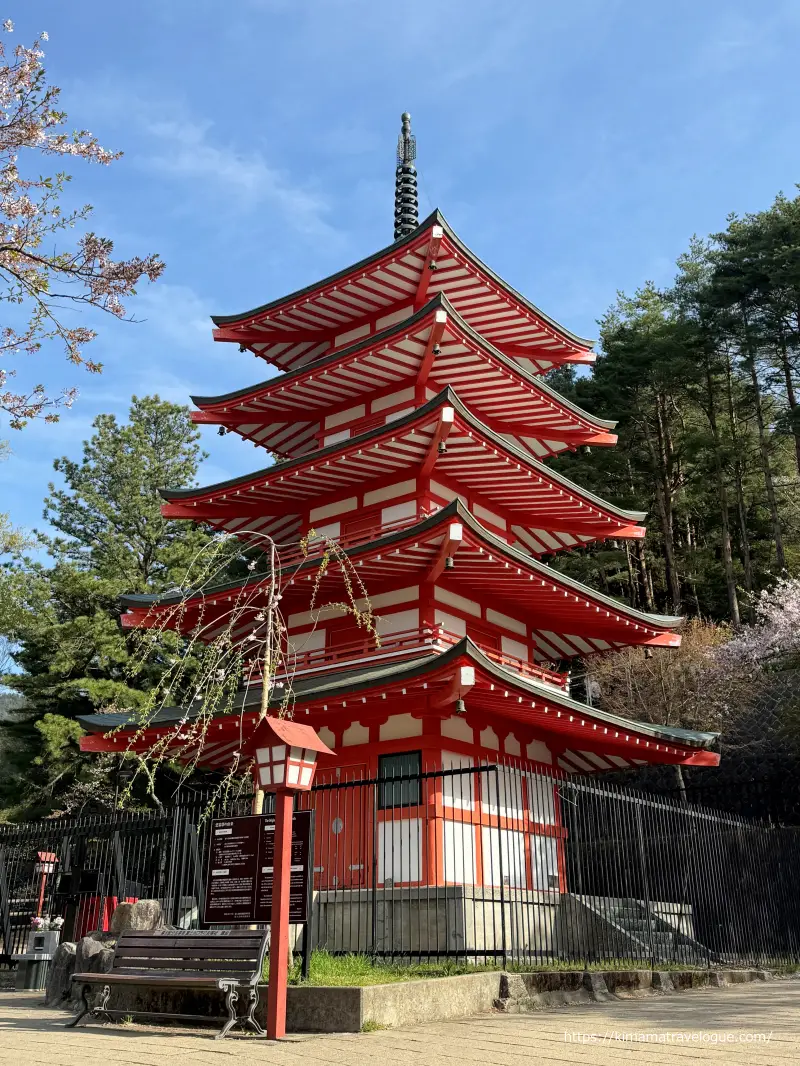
(426, 686)
(522, 489)
(402, 276)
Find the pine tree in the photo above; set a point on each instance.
(63, 617)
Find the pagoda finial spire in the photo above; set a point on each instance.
(406, 205)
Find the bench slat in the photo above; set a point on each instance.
(162, 952)
(147, 977)
(220, 965)
(198, 936)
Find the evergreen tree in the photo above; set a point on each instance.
(63, 618)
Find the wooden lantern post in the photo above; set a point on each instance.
(286, 762)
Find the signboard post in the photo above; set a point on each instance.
(241, 870)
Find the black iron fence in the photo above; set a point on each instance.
(497, 863)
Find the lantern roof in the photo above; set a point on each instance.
(621, 741)
(295, 734)
(432, 348)
(388, 286)
(475, 460)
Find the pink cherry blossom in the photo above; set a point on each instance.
(40, 278)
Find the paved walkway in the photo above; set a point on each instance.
(755, 1024)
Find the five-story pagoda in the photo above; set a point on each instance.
(411, 425)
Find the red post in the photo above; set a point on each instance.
(42, 887)
(279, 944)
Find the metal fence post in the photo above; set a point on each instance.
(645, 881)
(501, 870)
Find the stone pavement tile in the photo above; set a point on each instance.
(595, 1035)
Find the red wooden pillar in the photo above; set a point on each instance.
(279, 942)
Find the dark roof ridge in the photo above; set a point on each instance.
(434, 218)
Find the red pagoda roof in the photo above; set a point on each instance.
(358, 384)
(388, 286)
(595, 740)
(567, 618)
(441, 440)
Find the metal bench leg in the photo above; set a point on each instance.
(102, 1005)
(251, 1012)
(231, 999)
(87, 1008)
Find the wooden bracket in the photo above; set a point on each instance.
(453, 539)
(427, 270)
(442, 432)
(437, 329)
(460, 684)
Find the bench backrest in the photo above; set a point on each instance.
(224, 951)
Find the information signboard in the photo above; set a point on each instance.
(240, 869)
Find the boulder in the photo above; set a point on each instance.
(90, 946)
(59, 975)
(142, 916)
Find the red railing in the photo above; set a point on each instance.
(512, 662)
(405, 644)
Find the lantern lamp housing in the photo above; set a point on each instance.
(287, 757)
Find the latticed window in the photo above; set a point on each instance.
(399, 793)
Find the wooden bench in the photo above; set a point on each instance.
(227, 960)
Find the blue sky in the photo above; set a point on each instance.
(575, 146)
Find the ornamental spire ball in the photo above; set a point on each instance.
(406, 205)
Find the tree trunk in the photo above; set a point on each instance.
(634, 599)
(763, 444)
(645, 586)
(791, 397)
(744, 536)
(664, 507)
(722, 492)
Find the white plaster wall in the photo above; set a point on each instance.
(453, 624)
(399, 850)
(398, 622)
(389, 492)
(503, 850)
(452, 599)
(458, 790)
(503, 620)
(330, 509)
(457, 729)
(340, 417)
(399, 726)
(407, 509)
(356, 733)
(482, 514)
(459, 854)
(393, 398)
(538, 751)
(514, 647)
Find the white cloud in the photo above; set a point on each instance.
(190, 151)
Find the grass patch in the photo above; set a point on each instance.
(371, 1026)
(361, 970)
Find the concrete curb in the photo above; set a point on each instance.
(326, 1009)
(349, 1009)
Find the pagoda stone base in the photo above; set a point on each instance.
(445, 920)
(477, 923)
